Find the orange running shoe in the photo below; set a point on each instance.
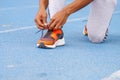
(51, 39)
(85, 31)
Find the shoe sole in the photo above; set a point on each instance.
(60, 42)
(84, 32)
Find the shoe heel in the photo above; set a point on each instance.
(60, 42)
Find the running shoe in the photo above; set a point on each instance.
(85, 31)
(51, 39)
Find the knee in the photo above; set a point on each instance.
(96, 38)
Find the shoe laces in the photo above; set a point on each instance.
(42, 32)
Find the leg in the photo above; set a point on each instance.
(99, 19)
(55, 6)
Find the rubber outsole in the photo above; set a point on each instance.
(60, 42)
(84, 32)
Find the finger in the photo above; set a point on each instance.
(38, 23)
(58, 26)
(44, 20)
(51, 21)
(39, 27)
(53, 24)
(45, 25)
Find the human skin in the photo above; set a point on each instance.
(60, 18)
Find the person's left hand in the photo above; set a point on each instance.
(58, 20)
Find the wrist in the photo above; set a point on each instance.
(42, 8)
(67, 11)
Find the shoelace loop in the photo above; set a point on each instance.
(42, 32)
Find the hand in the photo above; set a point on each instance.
(41, 19)
(58, 20)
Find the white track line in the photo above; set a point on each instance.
(30, 27)
(17, 29)
(6, 25)
(77, 19)
(22, 7)
(113, 76)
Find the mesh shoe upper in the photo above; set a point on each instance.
(51, 37)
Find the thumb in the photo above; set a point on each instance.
(45, 22)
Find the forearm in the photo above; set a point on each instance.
(76, 5)
(43, 4)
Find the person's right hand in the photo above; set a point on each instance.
(41, 19)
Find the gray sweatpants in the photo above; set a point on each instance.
(98, 20)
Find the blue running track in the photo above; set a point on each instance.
(79, 59)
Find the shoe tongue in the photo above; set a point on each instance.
(48, 33)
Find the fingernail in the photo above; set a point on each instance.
(45, 24)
